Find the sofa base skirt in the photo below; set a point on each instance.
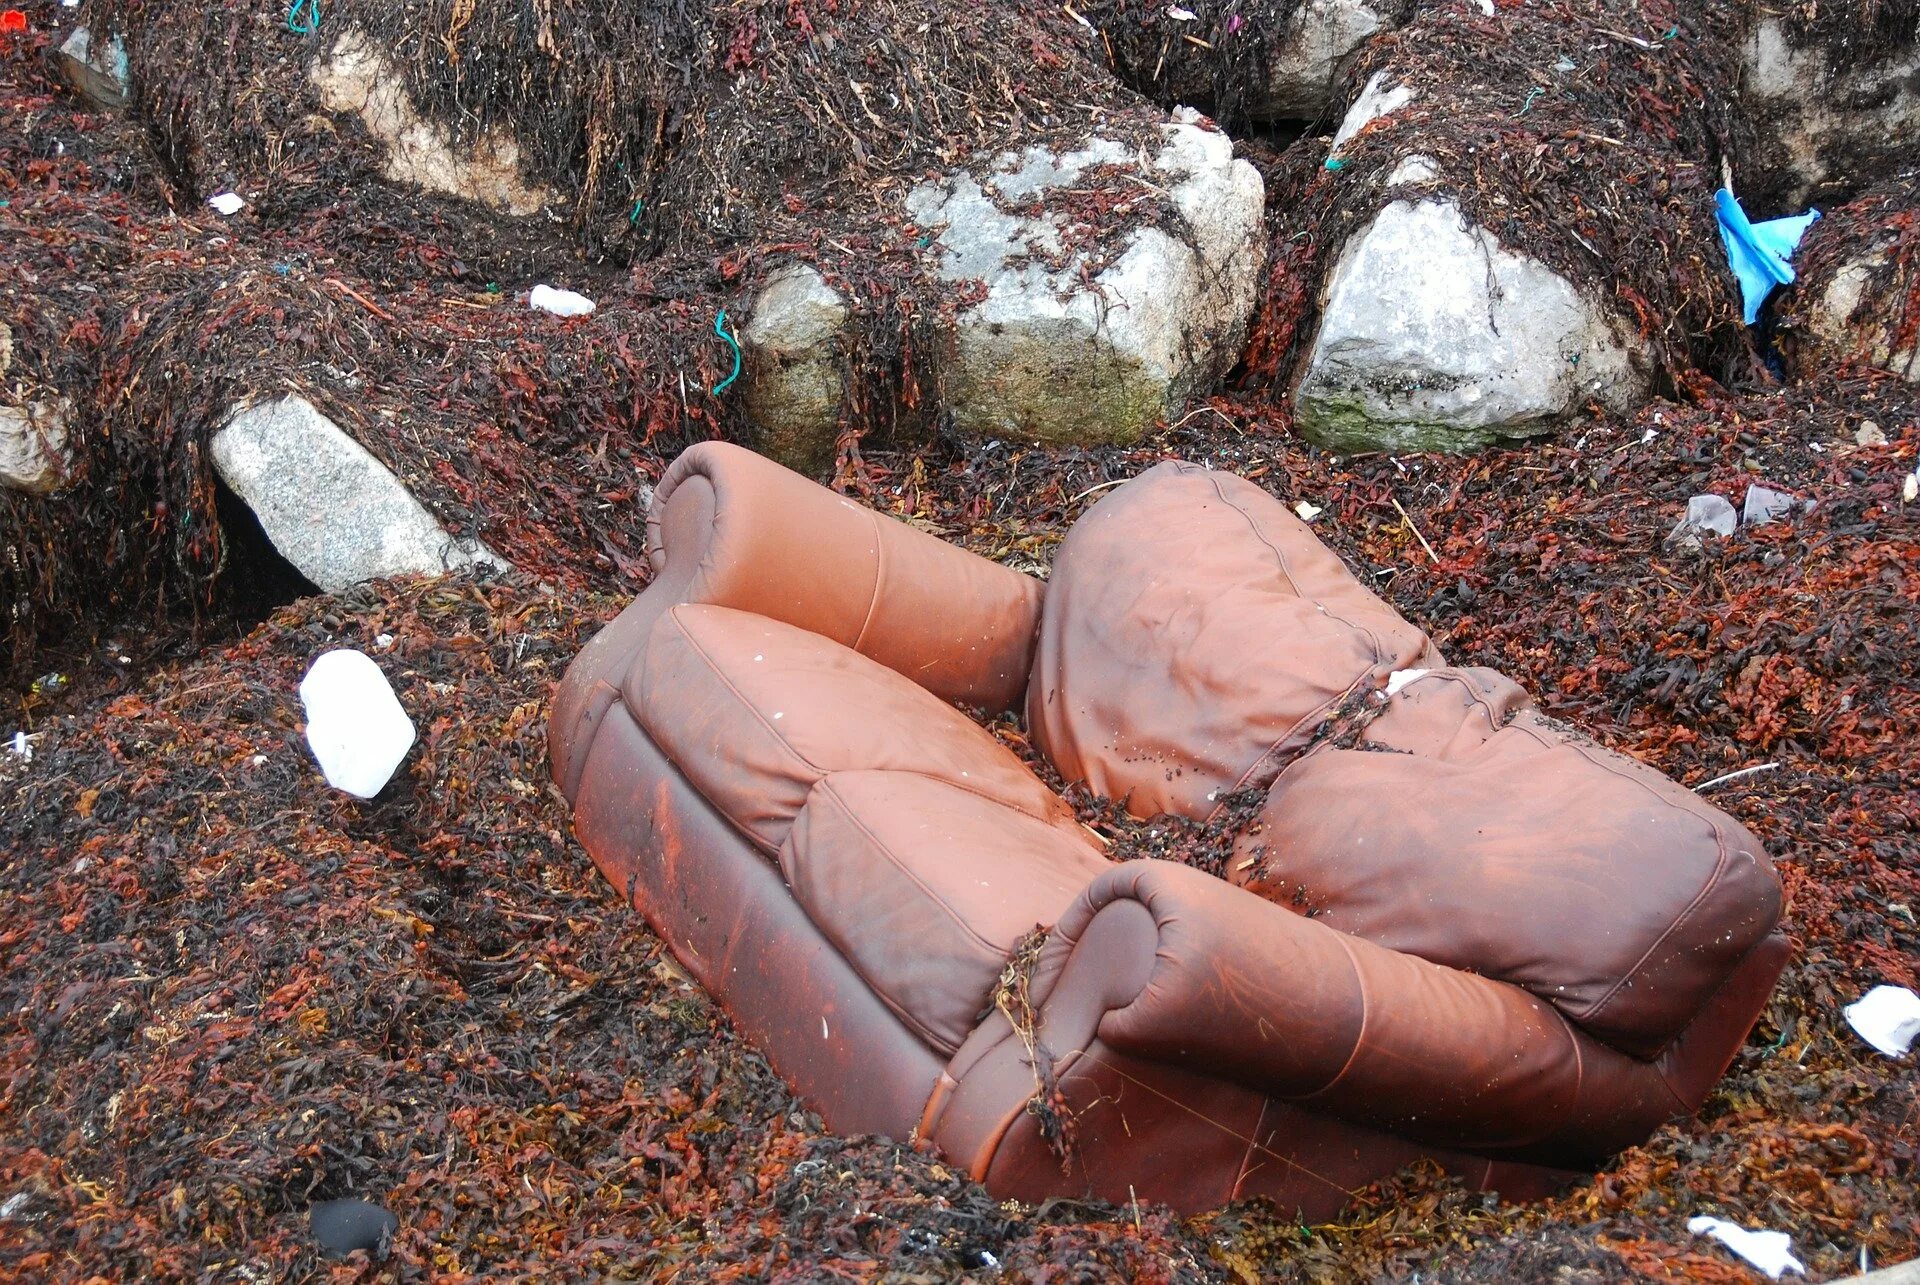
(726, 913)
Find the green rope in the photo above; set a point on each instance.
(720, 328)
(307, 26)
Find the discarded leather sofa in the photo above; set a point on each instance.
(1458, 930)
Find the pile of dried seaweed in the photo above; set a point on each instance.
(232, 992)
(1851, 31)
(654, 125)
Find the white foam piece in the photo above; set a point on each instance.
(356, 728)
(561, 303)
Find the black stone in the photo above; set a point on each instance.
(342, 1226)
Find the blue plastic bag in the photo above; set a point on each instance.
(1760, 254)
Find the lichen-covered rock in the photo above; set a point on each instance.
(331, 509)
(791, 349)
(1082, 340)
(356, 77)
(1435, 337)
(1823, 119)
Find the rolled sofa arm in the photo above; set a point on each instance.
(734, 529)
(1248, 991)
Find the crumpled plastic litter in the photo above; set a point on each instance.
(1706, 514)
(561, 303)
(227, 203)
(1770, 1251)
(356, 728)
(1764, 504)
(1760, 254)
(1887, 1017)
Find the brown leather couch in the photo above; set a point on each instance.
(1460, 930)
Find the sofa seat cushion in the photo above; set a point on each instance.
(756, 712)
(927, 889)
(1194, 636)
(1515, 848)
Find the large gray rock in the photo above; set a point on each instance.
(330, 508)
(98, 70)
(1094, 339)
(1320, 38)
(1379, 98)
(791, 349)
(356, 77)
(1435, 337)
(1824, 120)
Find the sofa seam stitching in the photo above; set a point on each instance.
(879, 569)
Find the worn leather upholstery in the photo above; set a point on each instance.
(1457, 931)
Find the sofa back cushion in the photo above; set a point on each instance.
(926, 889)
(756, 712)
(1472, 831)
(1194, 636)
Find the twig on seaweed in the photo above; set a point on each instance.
(1090, 490)
(362, 300)
(1735, 776)
(1416, 530)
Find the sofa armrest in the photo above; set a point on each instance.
(1248, 991)
(733, 529)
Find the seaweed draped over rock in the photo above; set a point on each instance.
(1588, 135)
(1858, 296)
(651, 125)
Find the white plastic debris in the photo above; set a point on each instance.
(227, 203)
(355, 726)
(1707, 514)
(1307, 512)
(1887, 1017)
(1764, 504)
(1178, 14)
(21, 747)
(561, 303)
(1399, 678)
(1770, 1251)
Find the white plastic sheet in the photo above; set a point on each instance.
(1887, 1017)
(1770, 1251)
